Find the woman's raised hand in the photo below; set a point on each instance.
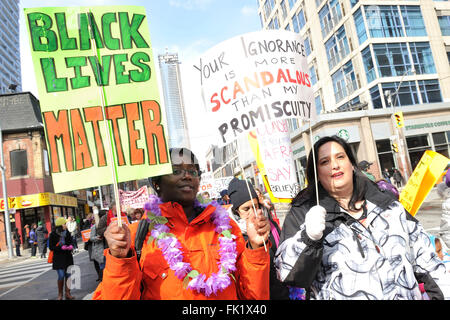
(119, 239)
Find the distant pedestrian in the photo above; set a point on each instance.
(33, 240)
(17, 240)
(245, 201)
(364, 167)
(41, 236)
(98, 244)
(26, 235)
(138, 213)
(387, 175)
(60, 242)
(398, 178)
(72, 227)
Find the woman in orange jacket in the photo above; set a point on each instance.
(192, 251)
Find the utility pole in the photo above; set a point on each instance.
(5, 197)
(399, 131)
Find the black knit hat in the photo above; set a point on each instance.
(238, 192)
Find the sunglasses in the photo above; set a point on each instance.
(181, 172)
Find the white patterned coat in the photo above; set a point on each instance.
(383, 261)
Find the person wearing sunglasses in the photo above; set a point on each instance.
(191, 251)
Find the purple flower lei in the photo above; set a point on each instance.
(170, 247)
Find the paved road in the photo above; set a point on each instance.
(34, 279)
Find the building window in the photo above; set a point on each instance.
(417, 145)
(406, 95)
(313, 74)
(332, 52)
(318, 101)
(441, 142)
(299, 21)
(283, 9)
(46, 163)
(337, 48)
(353, 2)
(384, 21)
(392, 59)
(307, 46)
(430, 91)
(368, 64)
(413, 21)
(360, 26)
(422, 57)
(329, 16)
(385, 154)
(275, 23)
(344, 81)
(291, 4)
(19, 163)
(376, 97)
(267, 9)
(325, 20)
(444, 23)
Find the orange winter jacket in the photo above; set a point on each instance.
(151, 278)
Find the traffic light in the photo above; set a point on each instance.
(94, 193)
(398, 116)
(394, 147)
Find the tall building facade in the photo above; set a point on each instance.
(368, 59)
(173, 100)
(10, 76)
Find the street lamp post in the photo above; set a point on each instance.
(5, 197)
(399, 133)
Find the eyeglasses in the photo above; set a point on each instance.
(181, 172)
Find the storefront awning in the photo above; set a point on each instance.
(39, 200)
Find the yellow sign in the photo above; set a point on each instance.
(256, 152)
(39, 200)
(398, 116)
(425, 175)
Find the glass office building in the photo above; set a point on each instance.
(10, 77)
(367, 59)
(173, 100)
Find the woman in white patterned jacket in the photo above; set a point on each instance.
(358, 243)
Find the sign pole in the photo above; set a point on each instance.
(5, 197)
(109, 135)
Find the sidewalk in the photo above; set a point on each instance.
(26, 254)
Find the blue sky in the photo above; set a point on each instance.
(187, 27)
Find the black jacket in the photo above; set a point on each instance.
(61, 258)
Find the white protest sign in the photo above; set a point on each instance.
(134, 199)
(214, 185)
(255, 78)
(276, 154)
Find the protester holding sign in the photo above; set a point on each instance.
(357, 242)
(243, 201)
(60, 242)
(193, 251)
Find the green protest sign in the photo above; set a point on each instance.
(91, 64)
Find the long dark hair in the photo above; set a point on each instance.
(359, 181)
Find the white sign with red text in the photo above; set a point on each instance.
(213, 185)
(276, 154)
(255, 78)
(134, 199)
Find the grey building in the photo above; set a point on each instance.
(173, 100)
(10, 76)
